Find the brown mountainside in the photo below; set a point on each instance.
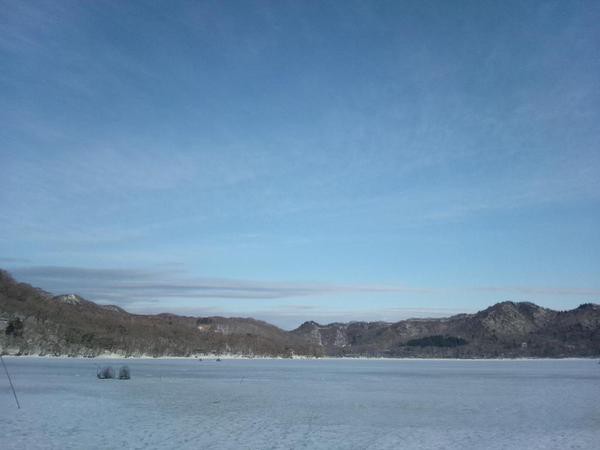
(33, 321)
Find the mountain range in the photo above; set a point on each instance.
(35, 322)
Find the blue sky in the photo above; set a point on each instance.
(302, 160)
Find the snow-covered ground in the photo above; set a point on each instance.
(273, 404)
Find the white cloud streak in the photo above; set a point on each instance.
(129, 286)
(125, 286)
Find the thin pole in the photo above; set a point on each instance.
(10, 381)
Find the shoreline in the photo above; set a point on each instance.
(295, 358)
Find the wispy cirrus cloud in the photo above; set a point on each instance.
(127, 286)
(539, 290)
(8, 260)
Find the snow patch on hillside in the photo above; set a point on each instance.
(70, 299)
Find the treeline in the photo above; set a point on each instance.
(437, 341)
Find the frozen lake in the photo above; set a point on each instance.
(272, 404)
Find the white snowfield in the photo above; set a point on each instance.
(295, 404)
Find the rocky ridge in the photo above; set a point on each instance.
(34, 322)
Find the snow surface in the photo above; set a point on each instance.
(280, 404)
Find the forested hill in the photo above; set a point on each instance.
(33, 321)
(505, 329)
(36, 322)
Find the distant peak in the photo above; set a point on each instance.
(516, 305)
(309, 324)
(70, 299)
(112, 308)
(588, 306)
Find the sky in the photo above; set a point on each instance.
(292, 161)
